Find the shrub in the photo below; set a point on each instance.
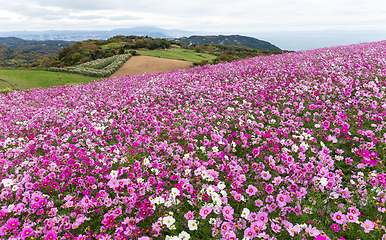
(97, 68)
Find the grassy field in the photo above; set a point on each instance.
(27, 79)
(180, 54)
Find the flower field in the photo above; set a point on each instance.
(290, 146)
(98, 68)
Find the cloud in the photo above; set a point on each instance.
(226, 16)
(119, 18)
(86, 17)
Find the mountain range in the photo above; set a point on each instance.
(81, 35)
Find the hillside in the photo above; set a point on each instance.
(86, 51)
(234, 40)
(288, 146)
(16, 52)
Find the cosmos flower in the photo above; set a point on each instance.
(7, 182)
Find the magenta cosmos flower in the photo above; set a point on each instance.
(326, 124)
(13, 223)
(335, 227)
(51, 235)
(27, 232)
(255, 151)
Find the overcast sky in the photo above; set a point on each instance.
(226, 16)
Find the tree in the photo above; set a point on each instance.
(76, 57)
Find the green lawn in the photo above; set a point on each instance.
(27, 79)
(180, 54)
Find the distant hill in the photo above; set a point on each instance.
(15, 51)
(234, 40)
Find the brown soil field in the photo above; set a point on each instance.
(139, 65)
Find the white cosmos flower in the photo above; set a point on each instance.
(323, 181)
(7, 182)
(212, 221)
(245, 213)
(114, 173)
(175, 192)
(210, 190)
(294, 148)
(184, 235)
(192, 224)
(221, 185)
(168, 221)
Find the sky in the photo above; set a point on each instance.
(255, 18)
(226, 16)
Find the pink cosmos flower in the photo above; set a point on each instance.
(27, 232)
(227, 212)
(339, 217)
(368, 226)
(189, 215)
(258, 203)
(258, 226)
(352, 217)
(262, 216)
(205, 211)
(82, 237)
(312, 231)
(229, 235)
(144, 238)
(281, 200)
(265, 175)
(238, 197)
(294, 230)
(225, 227)
(117, 212)
(113, 183)
(277, 180)
(249, 233)
(19, 208)
(108, 219)
(251, 190)
(272, 207)
(354, 211)
(275, 227)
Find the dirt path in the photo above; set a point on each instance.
(6, 82)
(143, 64)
